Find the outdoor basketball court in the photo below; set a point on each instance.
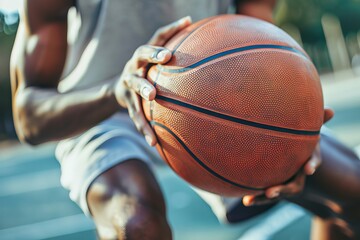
(33, 205)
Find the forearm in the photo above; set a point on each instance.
(43, 115)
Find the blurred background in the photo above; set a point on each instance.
(34, 206)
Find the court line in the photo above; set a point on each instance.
(274, 223)
(49, 229)
(15, 155)
(29, 182)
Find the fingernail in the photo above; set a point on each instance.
(148, 139)
(312, 168)
(162, 54)
(146, 92)
(184, 19)
(246, 201)
(312, 171)
(274, 194)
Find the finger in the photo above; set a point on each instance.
(141, 86)
(314, 162)
(293, 188)
(258, 200)
(137, 115)
(133, 111)
(328, 114)
(151, 54)
(248, 200)
(162, 35)
(145, 126)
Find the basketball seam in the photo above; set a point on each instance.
(238, 120)
(201, 163)
(228, 52)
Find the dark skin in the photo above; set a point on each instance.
(135, 199)
(333, 193)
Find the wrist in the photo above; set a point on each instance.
(107, 91)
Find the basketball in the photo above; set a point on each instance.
(239, 106)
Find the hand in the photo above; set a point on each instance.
(296, 186)
(290, 189)
(132, 83)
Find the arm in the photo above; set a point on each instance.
(41, 113)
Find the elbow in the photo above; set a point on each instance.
(27, 126)
(29, 139)
(27, 132)
(30, 136)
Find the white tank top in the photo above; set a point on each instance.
(103, 34)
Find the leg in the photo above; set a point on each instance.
(106, 170)
(333, 193)
(326, 229)
(127, 200)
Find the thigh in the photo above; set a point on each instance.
(87, 156)
(333, 192)
(126, 201)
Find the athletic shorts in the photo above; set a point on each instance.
(111, 142)
(115, 140)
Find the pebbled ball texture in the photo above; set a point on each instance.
(239, 107)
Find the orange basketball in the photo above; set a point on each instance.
(238, 108)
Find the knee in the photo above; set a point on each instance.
(132, 219)
(145, 223)
(128, 205)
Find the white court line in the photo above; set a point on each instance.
(49, 229)
(274, 222)
(29, 182)
(19, 153)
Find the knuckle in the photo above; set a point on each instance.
(160, 31)
(138, 51)
(139, 116)
(127, 83)
(127, 95)
(161, 36)
(137, 87)
(137, 125)
(128, 64)
(131, 114)
(141, 126)
(136, 115)
(141, 72)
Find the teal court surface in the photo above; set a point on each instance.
(33, 205)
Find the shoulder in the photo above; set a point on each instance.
(39, 12)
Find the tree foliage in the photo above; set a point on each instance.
(307, 14)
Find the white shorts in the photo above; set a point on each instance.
(111, 142)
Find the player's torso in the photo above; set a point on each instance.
(110, 31)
